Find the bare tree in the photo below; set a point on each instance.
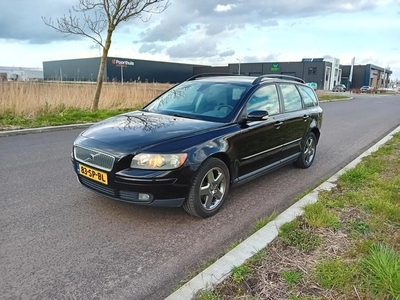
(90, 19)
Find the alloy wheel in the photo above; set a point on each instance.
(309, 151)
(212, 188)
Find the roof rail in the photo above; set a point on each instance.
(208, 75)
(279, 76)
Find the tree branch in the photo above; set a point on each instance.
(98, 15)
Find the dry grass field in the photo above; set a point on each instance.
(34, 98)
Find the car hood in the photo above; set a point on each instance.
(138, 130)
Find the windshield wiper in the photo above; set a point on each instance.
(182, 116)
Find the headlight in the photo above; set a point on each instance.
(158, 161)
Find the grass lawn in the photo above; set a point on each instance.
(9, 121)
(330, 97)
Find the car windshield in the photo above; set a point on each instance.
(206, 100)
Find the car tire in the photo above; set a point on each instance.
(308, 151)
(209, 189)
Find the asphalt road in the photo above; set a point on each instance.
(61, 241)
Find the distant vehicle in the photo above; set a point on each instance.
(365, 88)
(339, 88)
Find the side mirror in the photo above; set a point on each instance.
(257, 115)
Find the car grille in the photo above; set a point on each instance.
(94, 158)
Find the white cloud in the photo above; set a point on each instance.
(223, 8)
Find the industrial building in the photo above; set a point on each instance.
(117, 69)
(324, 72)
(20, 74)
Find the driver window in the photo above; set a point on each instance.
(265, 98)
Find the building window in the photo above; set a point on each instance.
(312, 71)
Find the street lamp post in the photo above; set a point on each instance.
(239, 66)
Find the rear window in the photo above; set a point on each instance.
(308, 95)
(291, 97)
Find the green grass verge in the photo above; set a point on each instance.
(60, 116)
(381, 268)
(296, 234)
(291, 277)
(260, 223)
(330, 97)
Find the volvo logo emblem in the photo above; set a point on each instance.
(91, 157)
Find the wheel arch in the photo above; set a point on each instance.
(316, 132)
(225, 158)
(194, 200)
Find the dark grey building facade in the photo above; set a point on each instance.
(371, 75)
(117, 69)
(324, 73)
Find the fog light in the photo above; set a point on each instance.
(144, 197)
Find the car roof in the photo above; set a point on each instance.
(233, 79)
(251, 80)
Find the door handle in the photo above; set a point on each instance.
(305, 117)
(278, 124)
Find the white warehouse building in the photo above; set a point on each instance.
(20, 74)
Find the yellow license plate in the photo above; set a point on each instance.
(92, 174)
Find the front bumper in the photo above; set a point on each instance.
(164, 189)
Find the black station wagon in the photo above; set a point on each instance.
(194, 142)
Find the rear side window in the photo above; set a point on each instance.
(291, 97)
(308, 96)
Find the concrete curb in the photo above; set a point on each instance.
(43, 129)
(221, 269)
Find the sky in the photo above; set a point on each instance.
(215, 32)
